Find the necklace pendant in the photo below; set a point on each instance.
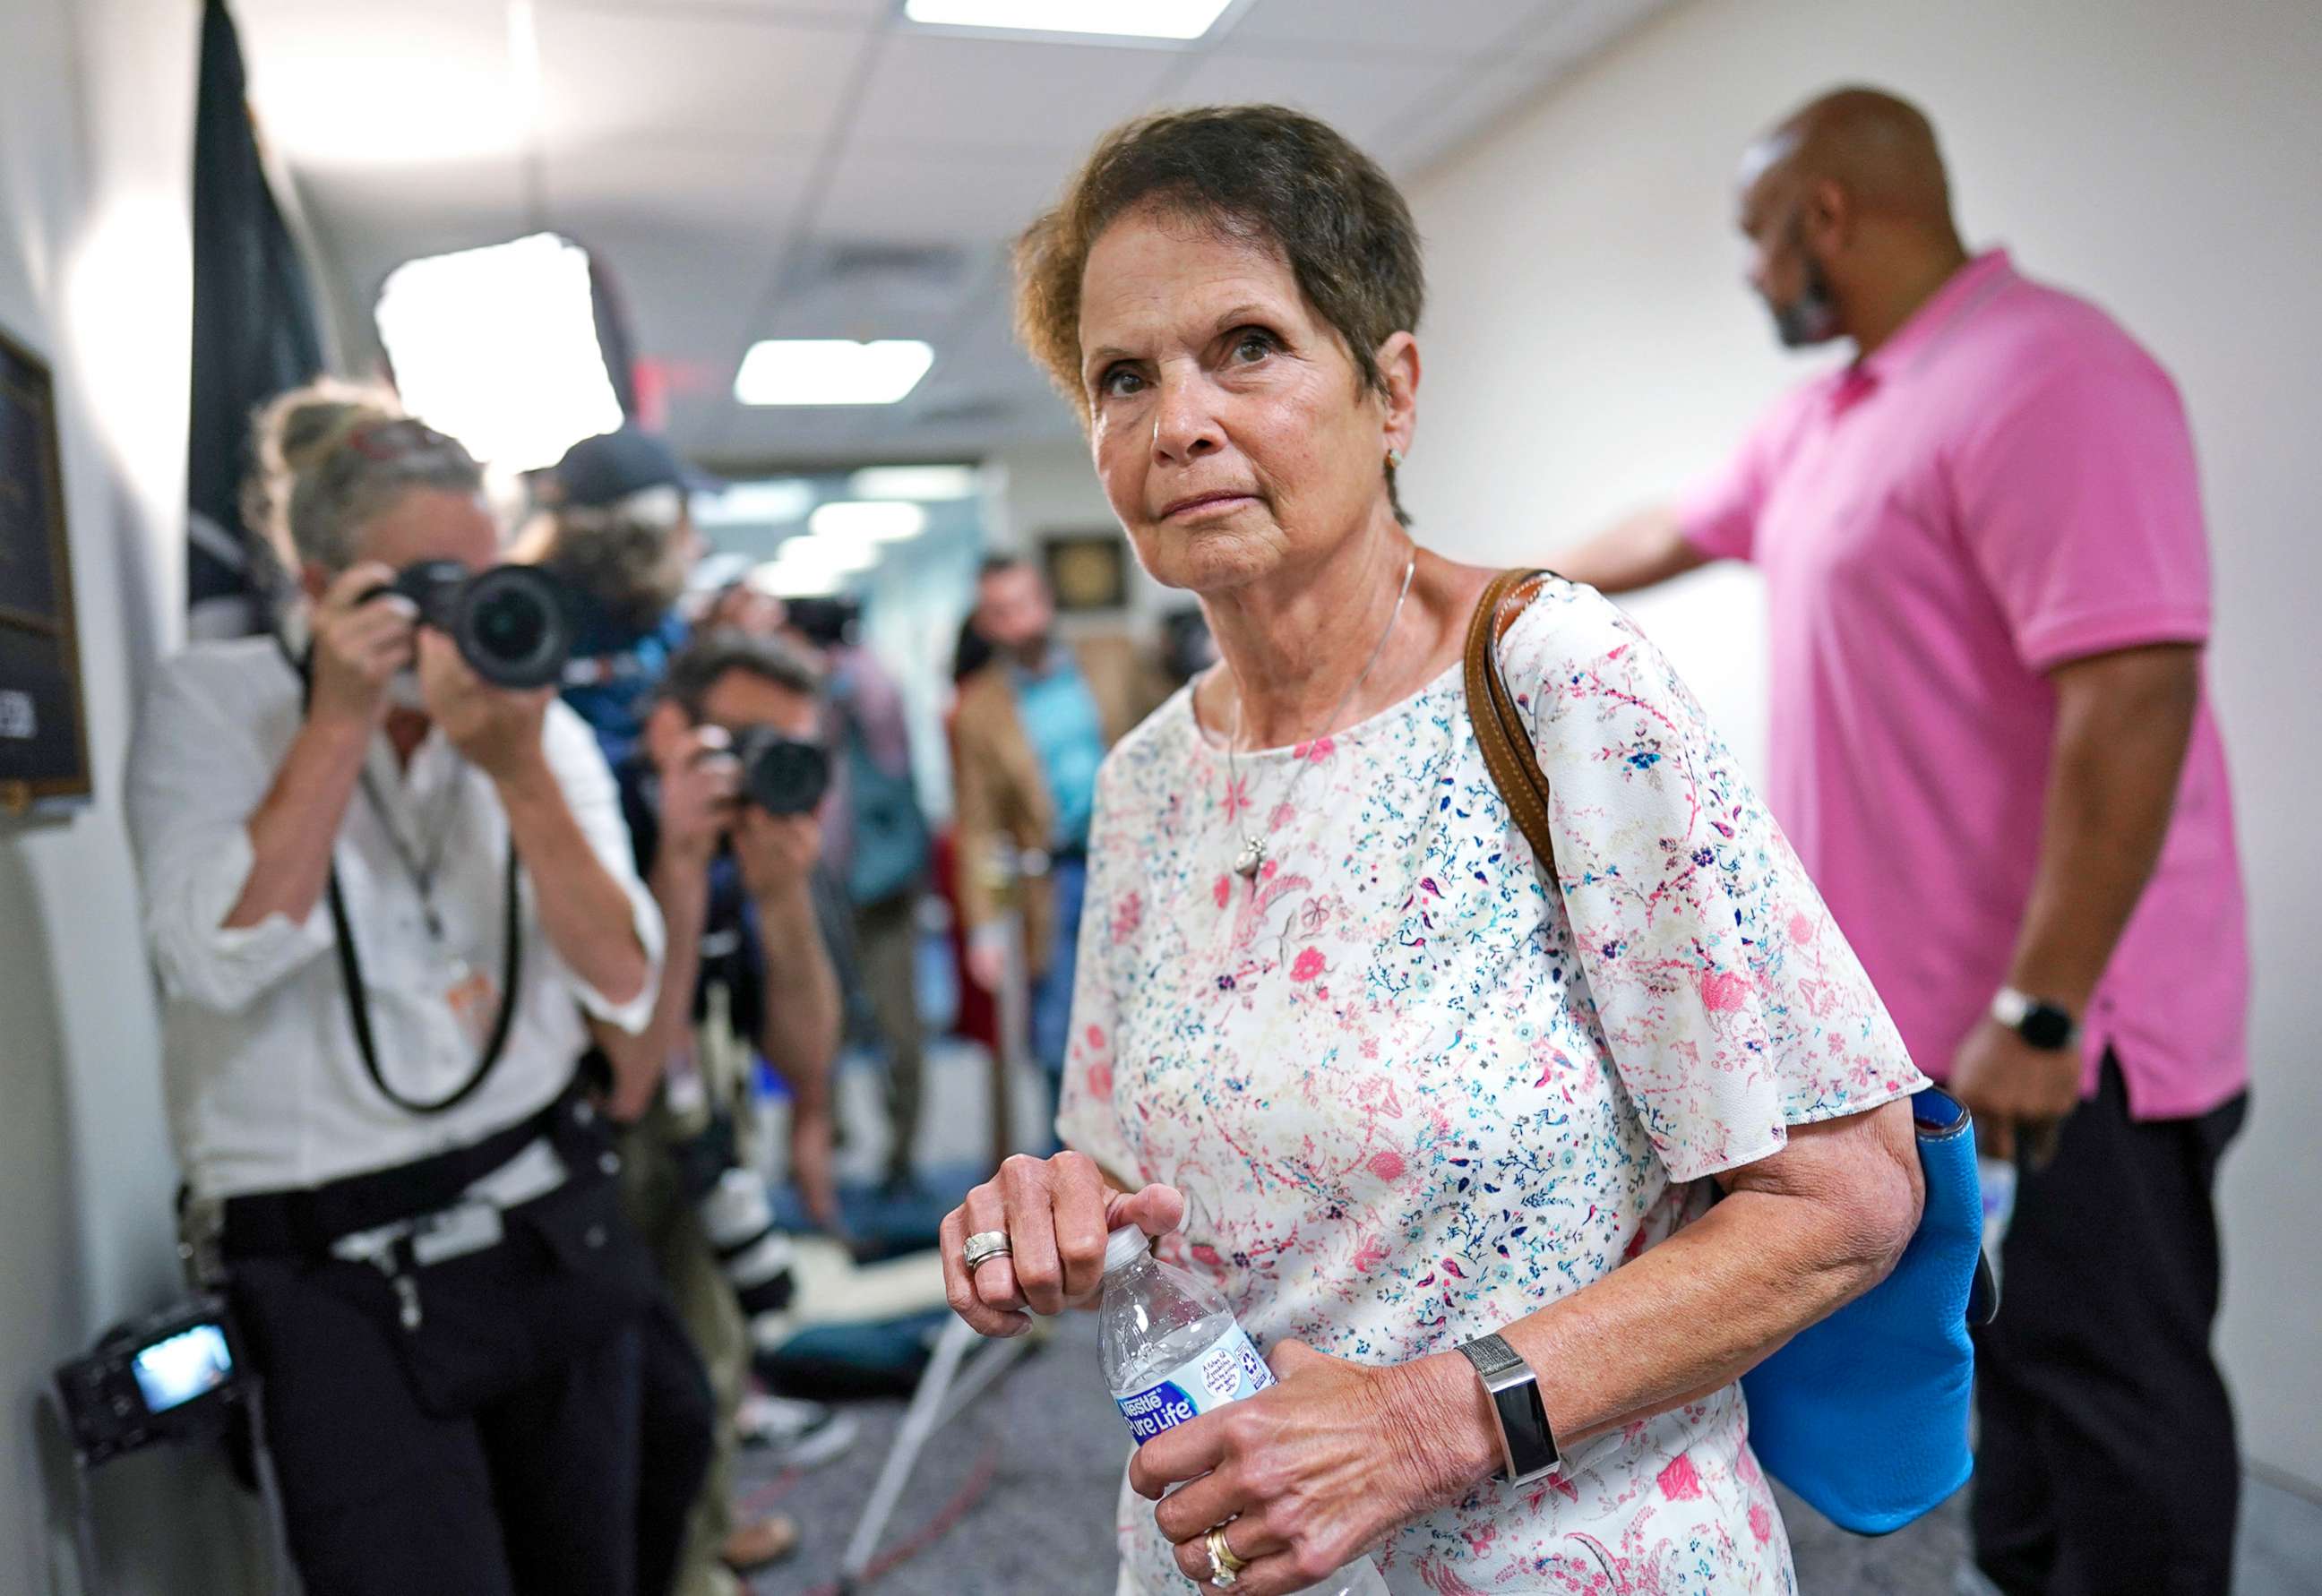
(1252, 855)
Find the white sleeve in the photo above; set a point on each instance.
(594, 801)
(194, 775)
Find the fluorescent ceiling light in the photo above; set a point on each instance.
(831, 371)
(818, 553)
(1119, 19)
(928, 484)
(793, 581)
(875, 521)
(498, 348)
(776, 503)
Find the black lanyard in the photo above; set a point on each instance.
(351, 964)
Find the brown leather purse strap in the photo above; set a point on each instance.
(1500, 730)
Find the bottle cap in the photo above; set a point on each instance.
(1125, 1246)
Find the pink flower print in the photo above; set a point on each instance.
(1802, 928)
(1206, 1256)
(1724, 990)
(1236, 799)
(1678, 1482)
(1127, 917)
(1099, 1082)
(1095, 1036)
(1387, 1166)
(1369, 1254)
(1761, 1523)
(1319, 750)
(1282, 817)
(1223, 891)
(1308, 965)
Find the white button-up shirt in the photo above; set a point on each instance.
(267, 1087)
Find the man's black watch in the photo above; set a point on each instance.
(1527, 1445)
(2048, 1027)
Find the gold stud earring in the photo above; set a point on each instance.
(1393, 460)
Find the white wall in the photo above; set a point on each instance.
(96, 125)
(1590, 347)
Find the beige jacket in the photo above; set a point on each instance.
(1002, 793)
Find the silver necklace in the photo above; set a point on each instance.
(1252, 857)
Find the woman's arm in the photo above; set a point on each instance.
(1797, 1237)
(1340, 1454)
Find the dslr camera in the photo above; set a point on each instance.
(782, 775)
(513, 623)
(174, 1376)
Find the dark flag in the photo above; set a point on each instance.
(254, 335)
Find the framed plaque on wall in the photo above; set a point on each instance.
(43, 733)
(1087, 571)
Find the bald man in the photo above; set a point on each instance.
(1987, 583)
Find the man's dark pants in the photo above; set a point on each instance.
(2107, 1464)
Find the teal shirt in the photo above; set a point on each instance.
(1061, 722)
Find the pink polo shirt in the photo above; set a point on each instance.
(2007, 485)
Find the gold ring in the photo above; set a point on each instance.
(1225, 1568)
(983, 1247)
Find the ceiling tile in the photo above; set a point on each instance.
(691, 77)
(374, 220)
(938, 194)
(860, 13)
(933, 91)
(1364, 100)
(1442, 28)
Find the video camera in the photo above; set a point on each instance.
(173, 1376)
(513, 623)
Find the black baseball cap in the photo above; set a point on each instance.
(610, 467)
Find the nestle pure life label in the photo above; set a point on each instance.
(1226, 1370)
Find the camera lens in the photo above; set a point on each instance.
(782, 775)
(512, 627)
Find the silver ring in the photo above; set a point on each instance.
(983, 1247)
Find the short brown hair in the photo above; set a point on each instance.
(1262, 174)
(708, 656)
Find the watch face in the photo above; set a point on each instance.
(2046, 1027)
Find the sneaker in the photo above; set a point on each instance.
(800, 1435)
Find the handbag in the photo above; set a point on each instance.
(1865, 1414)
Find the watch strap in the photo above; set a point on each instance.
(1527, 1444)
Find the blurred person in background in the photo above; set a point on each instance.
(386, 900)
(1989, 588)
(733, 601)
(746, 972)
(621, 536)
(1033, 724)
(878, 848)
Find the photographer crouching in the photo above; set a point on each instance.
(388, 897)
(720, 799)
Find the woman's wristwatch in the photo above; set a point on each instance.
(1527, 1445)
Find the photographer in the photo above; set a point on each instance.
(720, 800)
(382, 893)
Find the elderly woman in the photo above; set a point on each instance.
(1334, 1039)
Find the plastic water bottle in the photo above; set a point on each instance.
(1172, 1352)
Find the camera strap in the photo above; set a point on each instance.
(359, 1001)
(350, 962)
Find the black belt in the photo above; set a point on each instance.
(304, 1223)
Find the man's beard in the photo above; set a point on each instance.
(1812, 316)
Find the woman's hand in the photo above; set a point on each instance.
(360, 644)
(1056, 1213)
(1308, 1474)
(496, 729)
